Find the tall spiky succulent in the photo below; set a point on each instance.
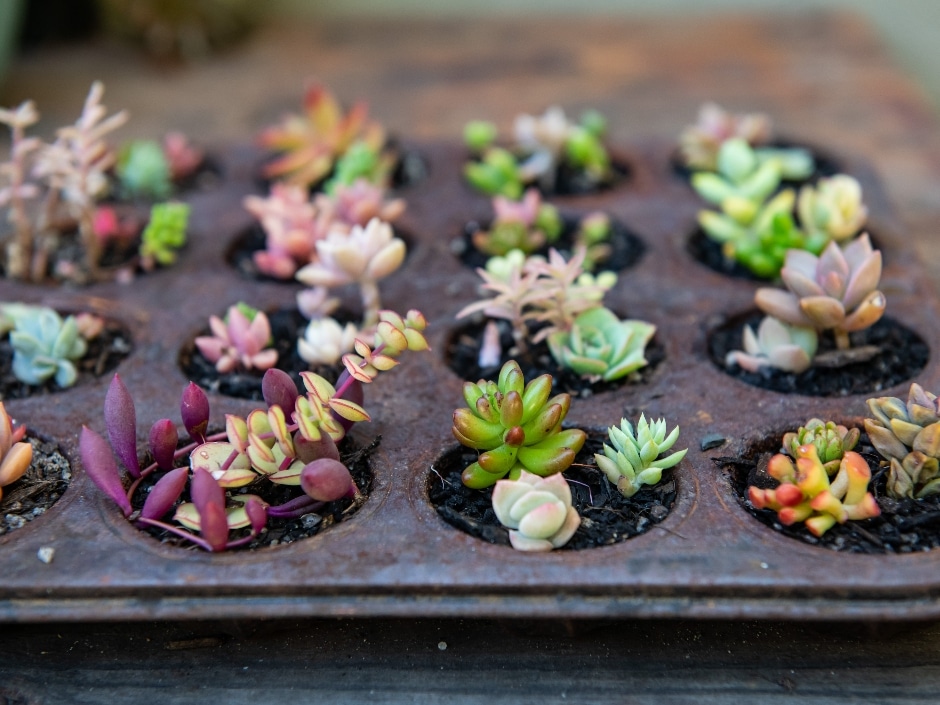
(830, 439)
(908, 436)
(633, 460)
(517, 426)
(837, 290)
(806, 495)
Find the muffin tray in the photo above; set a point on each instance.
(396, 556)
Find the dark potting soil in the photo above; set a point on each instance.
(287, 325)
(463, 351)
(607, 517)
(30, 496)
(626, 247)
(903, 354)
(905, 526)
(103, 355)
(710, 253)
(279, 530)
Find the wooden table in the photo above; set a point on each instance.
(823, 77)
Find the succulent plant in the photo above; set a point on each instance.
(806, 495)
(776, 344)
(517, 426)
(833, 207)
(542, 144)
(76, 165)
(325, 341)
(537, 511)
(291, 442)
(633, 460)
(44, 345)
(164, 235)
(362, 256)
(837, 290)
(17, 189)
(15, 453)
(830, 439)
(361, 161)
(524, 225)
(764, 248)
(240, 341)
(310, 143)
(699, 143)
(601, 346)
(908, 436)
(593, 235)
(143, 171)
(741, 182)
(182, 157)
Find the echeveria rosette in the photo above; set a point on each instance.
(239, 342)
(908, 436)
(536, 510)
(601, 346)
(806, 495)
(833, 207)
(830, 439)
(44, 345)
(837, 290)
(633, 459)
(776, 344)
(517, 426)
(325, 341)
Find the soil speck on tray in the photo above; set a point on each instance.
(607, 517)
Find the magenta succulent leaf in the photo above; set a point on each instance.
(279, 389)
(121, 420)
(257, 512)
(163, 440)
(327, 480)
(101, 468)
(194, 409)
(165, 494)
(209, 499)
(308, 451)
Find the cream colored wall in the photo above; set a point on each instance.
(911, 28)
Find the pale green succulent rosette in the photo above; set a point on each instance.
(633, 460)
(600, 345)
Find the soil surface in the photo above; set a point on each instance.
(607, 517)
(626, 247)
(905, 526)
(709, 252)
(287, 325)
(463, 351)
(104, 354)
(903, 354)
(46, 479)
(279, 530)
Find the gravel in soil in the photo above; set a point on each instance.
(287, 325)
(463, 351)
(279, 530)
(905, 526)
(902, 355)
(103, 355)
(626, 246)
(46, 479)
(607, 517)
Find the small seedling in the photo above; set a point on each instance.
(634, 458)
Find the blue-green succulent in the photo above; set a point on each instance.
(44, 345)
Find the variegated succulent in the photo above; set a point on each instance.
(806, 495)
(838, 290)
(776, 344)
(830, 439)
(536, 510)
(517, 426)
(833, 207)
(908, 436)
